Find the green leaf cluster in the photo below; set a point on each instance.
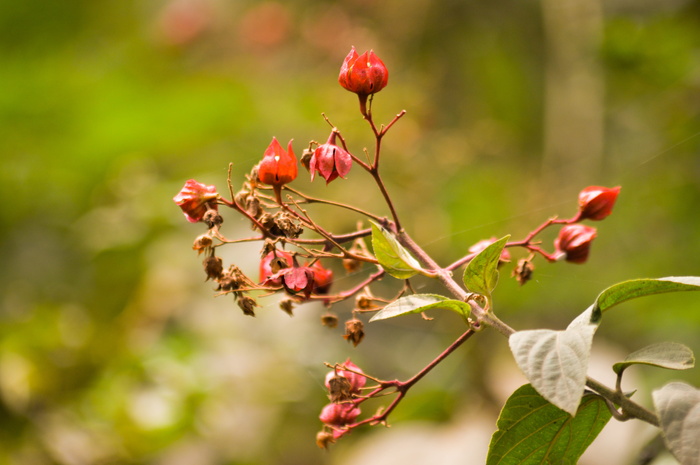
(556, 364)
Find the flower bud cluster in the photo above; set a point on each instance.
(573, 243)
(344, 384)
(279, 268)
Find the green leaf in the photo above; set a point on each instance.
(481, 273)
(556, 362)
(392, 256)
(678, 407)
(533, 431)
(632, 289)
(670, 355)
(418, 303)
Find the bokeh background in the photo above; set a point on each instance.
(113, 349)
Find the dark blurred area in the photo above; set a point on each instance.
(113, 349)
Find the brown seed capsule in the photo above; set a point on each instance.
(305, 159)
(351, 265)
(523, 271)
(228, 282)
(339, 389)
(247, 304)
(202, 243)
(287, 225)
(287, 305)
(324, 439)
(330, 320)
(364, 302)
(213, 267)
(354, 331)
(212, 218)
(252, 206)
(241, 197)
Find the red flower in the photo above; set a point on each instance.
(574, 242)
(330, 160)
(356, 380)
(323, 278)
(277, 166)
(271, 264)
(596, 203)
(363, 74)
(195, 199)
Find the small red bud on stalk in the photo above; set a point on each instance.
(364, 75)
(330, 160)
(195, 199)
(278, 167)
(596, 203)
(574, 242)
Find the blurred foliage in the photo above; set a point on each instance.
(112, 349)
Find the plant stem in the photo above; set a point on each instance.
(629, 408)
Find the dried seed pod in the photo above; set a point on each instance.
(212, 218)
(202, 243)
(354, 331)
(247, 304)
(324, 439)
(287, 305)
(330, 320)
(213, 267)
(523, 271)
(338, 388)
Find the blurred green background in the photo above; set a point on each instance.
(112, 347)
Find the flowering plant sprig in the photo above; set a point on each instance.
(301, 267)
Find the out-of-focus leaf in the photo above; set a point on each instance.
(634, 288)
(670, 355)
(678, 406)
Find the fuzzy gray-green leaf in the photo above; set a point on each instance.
(669, 355)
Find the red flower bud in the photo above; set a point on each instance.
(323, 278)
(195, 199)
(278, 166)
(363, 74)
(330, 160)
(596, 203)
(356, 380)
(574, 242)
(339, 415)
(272, 263)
